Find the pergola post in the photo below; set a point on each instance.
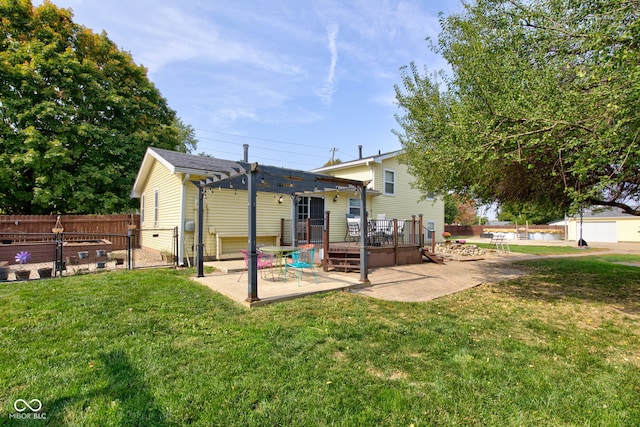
(252, 273)
(364, 231)
(200, 244)
(325, 241)
(294, 231)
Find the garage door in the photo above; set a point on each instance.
(597, 232)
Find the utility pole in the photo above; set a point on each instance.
(333, 154)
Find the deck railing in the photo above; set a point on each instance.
(381, 232)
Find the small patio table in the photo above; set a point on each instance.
(280, 253)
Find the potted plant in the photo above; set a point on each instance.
(45, 272)
(446, 236)
(22, 258)
(4, 270)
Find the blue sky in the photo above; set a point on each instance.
(294, 79)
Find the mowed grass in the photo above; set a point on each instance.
(538, 250)
(560, 346)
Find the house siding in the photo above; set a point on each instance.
(629, 229)
(338, 211)
(168, 188)
(403, 205)
(226, 219)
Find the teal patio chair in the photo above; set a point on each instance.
(299, 261)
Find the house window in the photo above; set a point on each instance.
(310, 207)
(142, 209)
(303, 208)
(155, 207)
(431, 228)
(389, 182)
(354, 207)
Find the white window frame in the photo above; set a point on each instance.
(357, 205)
(156, 203)
(142, 201)
(385, 182)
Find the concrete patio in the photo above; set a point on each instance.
(410, 283)
(225, 281)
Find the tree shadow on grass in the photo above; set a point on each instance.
(125, 389)
(592, 280)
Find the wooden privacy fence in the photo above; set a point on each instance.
(112, 227)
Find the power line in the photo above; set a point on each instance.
(289, 151)
(257, 138)
(261, 148)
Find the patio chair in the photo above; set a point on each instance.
(300, 260)
(265, 261)
(353, 228)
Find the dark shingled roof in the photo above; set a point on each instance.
(604, 212)
(195, 162)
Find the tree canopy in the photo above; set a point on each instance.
(521, 213)
(77, 115)
(541, 106)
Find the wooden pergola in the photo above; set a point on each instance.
(255, 178)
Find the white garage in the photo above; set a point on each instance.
(598, 231)
(603, 226)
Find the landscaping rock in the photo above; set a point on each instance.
(460, 249)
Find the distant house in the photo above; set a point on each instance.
(603, 225)
(169, 198)
(390, 192)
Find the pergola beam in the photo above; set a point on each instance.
(254, 178)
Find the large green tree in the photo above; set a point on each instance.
(541, 107)
(76, 115)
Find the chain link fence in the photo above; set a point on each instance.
(26, 256)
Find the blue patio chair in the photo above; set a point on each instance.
(299, 261)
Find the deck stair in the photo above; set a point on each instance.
(343, 259)
(431, 256)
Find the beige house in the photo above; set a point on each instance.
(168, 195)
(169, 198)
(389, 193)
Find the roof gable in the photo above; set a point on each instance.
(378, 158)
(177, 162)
(605, 212)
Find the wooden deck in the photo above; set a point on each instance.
(345, 256)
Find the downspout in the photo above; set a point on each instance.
(183, 208)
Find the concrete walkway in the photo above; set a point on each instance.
(410, 283)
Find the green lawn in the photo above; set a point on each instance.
(560, 346)
(539, 250)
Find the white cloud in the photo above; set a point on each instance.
(275, 67)
(171, 34)
(329, 88)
